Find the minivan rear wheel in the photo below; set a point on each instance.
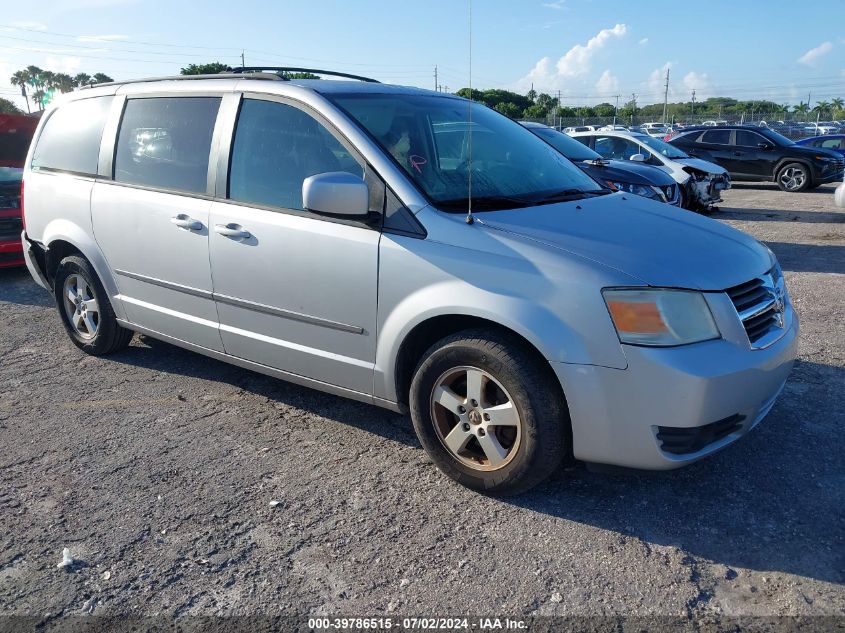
(85, 309)
(488, 413)
(794, 177)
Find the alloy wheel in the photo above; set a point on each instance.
(81, 306)
(793, 178)
(475, 418)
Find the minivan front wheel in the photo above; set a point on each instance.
(85, 310)
(488, 413)
(794, 177)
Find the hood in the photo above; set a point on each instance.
(627, 171)
(658, 244)
(703, 165)
(809, 152)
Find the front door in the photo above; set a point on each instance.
(294, 290)
(151, 221)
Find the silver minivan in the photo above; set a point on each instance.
(413, 250)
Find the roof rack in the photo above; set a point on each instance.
(228, 75)
(277, 70)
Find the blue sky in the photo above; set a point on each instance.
(590, 50)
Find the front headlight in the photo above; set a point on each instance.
(660, 317)
(637, 190)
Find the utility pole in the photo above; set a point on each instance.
(633, 106)
(559, 118)
(666, 96)
(692, 105)
(243, 63)
(436, 85)
(616, 109)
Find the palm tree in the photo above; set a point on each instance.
(63, 82)
(821, 107)
(837, 105)
(802, 108)
(100, 78)
(21, 78)
(82, 79)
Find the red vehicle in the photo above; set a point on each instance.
(16, 132)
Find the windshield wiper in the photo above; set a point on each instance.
(484, 203)
(566, 195)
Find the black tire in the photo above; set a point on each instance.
(109, 336)
(783, 177)
(544, 435)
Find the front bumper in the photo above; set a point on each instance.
(616, 414)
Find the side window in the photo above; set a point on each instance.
(165, 142)
(692, 137)
(717, 137)
(617, 148)
(832, 143)
(70, 140)
(278, 146)
(744, 138)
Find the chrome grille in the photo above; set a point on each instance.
(760, 305)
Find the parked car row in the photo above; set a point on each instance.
(762, 154)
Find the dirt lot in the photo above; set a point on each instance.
(157, 468)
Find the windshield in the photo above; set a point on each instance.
(430, 137)
(669, 151)
(565, 144)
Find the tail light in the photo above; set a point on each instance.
(23, 215)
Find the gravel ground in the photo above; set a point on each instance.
(184, 486)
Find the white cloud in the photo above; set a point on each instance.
(65, 64)
(607, 84)
(643, 41)
(700, 82)
(814, 54)
(556, 4)
(574, 63)
(102, 38)
(657, 82)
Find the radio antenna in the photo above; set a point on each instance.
(469, 218)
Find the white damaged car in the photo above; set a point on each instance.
(701, 182)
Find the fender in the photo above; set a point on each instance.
(82, 240)
(547, 332)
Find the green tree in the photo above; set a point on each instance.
(82, 79)
(604, 110)
(100, 78)
(802, 108)
(7, 107)
(63, 82)
(535, 111)
(205, 69)
(508, 109)
(531, 95)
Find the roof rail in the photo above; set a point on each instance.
(289, 69)
(228, 75)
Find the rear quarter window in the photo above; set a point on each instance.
(70, 140)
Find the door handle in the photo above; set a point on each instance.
(184, 221)
(235, 231)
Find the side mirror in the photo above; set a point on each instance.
(336, 193)
(839, 196)
(638, 158)
(765, 146)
